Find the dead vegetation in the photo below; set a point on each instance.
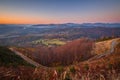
(104, 68)
(70, 53)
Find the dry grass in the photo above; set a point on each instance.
(103, 47)
(105, 68)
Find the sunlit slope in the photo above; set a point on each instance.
(48, 42)
(105, 46)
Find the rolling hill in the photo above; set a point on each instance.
(106, 67)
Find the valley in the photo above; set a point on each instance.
(64, 52)
(59, 39)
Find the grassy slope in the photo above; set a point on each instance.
(80, 72)
(113, 59)
(103, 46)
(8, 58)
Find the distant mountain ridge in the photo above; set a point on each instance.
(24, 34)
(64, 25)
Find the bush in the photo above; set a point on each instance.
(72, 69)
(86, 66)
(67, 77)
(60, 69)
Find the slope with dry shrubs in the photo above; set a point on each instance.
(72, 52)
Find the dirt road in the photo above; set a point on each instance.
(26, 58)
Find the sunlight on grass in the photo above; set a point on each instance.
(48, 42)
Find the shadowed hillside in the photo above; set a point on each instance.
(9, 58)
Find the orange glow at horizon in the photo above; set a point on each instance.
(23, 19)
(70, 11)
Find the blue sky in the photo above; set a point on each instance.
(59, 11)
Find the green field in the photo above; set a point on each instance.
(49, 42)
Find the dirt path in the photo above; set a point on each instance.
(26, 58)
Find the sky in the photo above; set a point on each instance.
(59, 11)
